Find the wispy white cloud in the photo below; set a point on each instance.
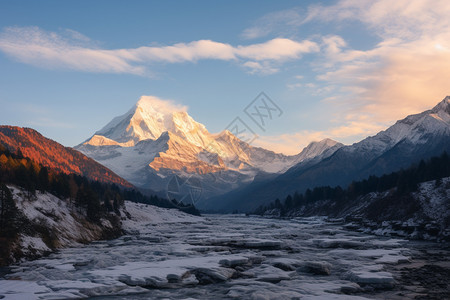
(264, 68)
(402, 19)
(283, 22)
(75, 51)
(181, 52)
(277, 49)
(164, 106)
(75, 35)
(34, 46)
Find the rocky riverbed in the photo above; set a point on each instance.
(177, 256)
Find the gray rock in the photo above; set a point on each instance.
(376, 279)
(316, 268)
(232, 262)
(212, 275)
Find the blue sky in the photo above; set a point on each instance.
(339, 69)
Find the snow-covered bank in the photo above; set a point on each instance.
(424, 214)
(137, 216)
(72, 231)
(47, 223)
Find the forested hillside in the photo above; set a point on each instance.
(404, 181)
(53, 155)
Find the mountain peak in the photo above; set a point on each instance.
(444, 105)
(147, 119)
(327, 142)
(322, 144)
(316, 148)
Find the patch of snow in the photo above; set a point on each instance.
(21, 290)
(31, 244)
(143, 215)
(435, 200)
(372, 278)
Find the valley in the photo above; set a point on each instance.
(367, 241)
(196, 150)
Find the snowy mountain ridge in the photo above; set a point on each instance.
(157, 139)
(413, 129)
(317, 148)
(148, 119)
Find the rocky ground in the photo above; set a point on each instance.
(427, 275)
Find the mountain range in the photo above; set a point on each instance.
(151, 145)
(409, 140)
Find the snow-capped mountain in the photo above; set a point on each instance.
(409, 140)
(315, 149)
(148, 119)
(414, 129)
(155, 140)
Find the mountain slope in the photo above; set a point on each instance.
(416, 137)
(155, 141)
(52, 154)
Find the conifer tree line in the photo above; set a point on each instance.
(92, 198)
(404, 181)
(8, 212)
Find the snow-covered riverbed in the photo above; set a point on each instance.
(170, 255)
